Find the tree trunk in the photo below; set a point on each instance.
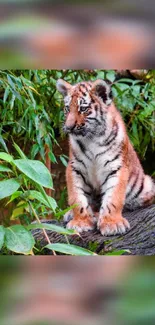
(140, 239)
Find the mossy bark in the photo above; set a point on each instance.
(140, 239)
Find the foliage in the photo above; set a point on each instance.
(32, 116)
(27, 174)
(31, 108)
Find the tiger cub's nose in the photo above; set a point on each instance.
(68, 129)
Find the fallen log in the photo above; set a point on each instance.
(140, 239)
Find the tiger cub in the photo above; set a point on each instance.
(104, 173)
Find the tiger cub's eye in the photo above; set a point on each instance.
(83, 108)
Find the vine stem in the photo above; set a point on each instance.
(44, 231)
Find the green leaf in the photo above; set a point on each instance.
(110, 75)
(5, 156)
(19, 210)
(20, 152)
(11, 83)
(2, 234)
(6, 94)
(61, 213)
(64, 161)
(8, 187)
(18, 239)
(70, 249)
(12, 101)
(52, 227)
(35, 170)
(38, 196)
(2, 142)
(14, 196)
(52, 157)
(4, 169)
(34, 150)
(130, 81)
(120, 252)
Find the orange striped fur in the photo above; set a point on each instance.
(104, 173)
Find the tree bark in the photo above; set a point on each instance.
(140, 239)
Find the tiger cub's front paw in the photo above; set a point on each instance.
(113, 225)
(81, 225)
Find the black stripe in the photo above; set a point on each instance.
(109, 188)
(140, 190)
(83, 92)
(115, 158)
(104, 144)
(79, 160)
(103, 152)
(99, 154)
(85, 192)
(133, 185)
(78, 172)
(108, 209)
(113, 173)
(89, 113)
(81, 145)
(83, 149)
(83, 85)
(94, 119)
(108, 140)
(111, 137)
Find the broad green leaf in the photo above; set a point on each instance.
(18, 239)
(36, 171)
(38, 196)
(4, 169)
(52, 227)
(5, 156)
(2, 234)
(8, 187)
(70, 249)
(20, 152)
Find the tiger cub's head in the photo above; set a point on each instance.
(85, 106)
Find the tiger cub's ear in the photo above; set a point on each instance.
(102, 89)
(63, 86)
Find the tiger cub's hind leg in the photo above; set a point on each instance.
(143, 196)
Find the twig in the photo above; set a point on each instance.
(44, 231)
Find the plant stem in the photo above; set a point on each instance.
(44, 231)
